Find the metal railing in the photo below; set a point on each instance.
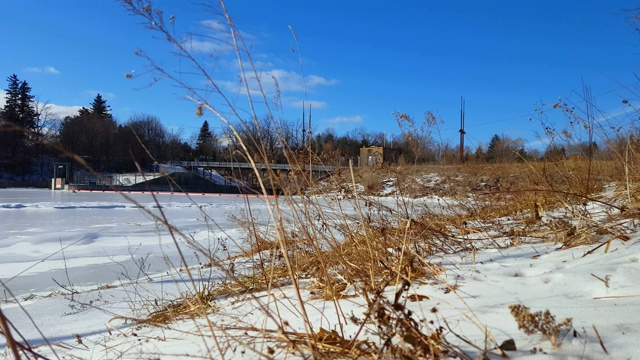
(238, 165)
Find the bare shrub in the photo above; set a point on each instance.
(542, 322)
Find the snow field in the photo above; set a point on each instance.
(111, 261)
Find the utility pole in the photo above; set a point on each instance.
(309, 146)
(304, 142)
(462, 132)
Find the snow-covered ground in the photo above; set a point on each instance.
(74, 265)
(128, 179)
(94, 237)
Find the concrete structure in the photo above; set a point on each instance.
(378, 155)
(237, 165)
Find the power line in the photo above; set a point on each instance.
(530, 115)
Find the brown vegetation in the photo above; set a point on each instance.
(316, 244)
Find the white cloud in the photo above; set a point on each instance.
(267, 61)
(292, 81)
(60, 111)
(215, 25)
(287, 81)
(55, 111)
(104, 94)
(618, 113)
(313, 81)
(538, 144)
(315, 104)
(237, 87)
(195, 45)
(353, 119)
(42, 70)
(273, 81)
(216, 40)
(220, 29)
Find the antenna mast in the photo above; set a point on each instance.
(309, 146)
(303, 121)
(309, 129)
(462, 132)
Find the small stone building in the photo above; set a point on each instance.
(378, 155)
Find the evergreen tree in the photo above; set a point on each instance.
(505, 149)
(205, 144)
(18, 118)
(91, 133)
(493, 148)
(12, 100)
(27, 110)
(100, 108)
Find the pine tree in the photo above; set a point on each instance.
(90, 133)
(205, 143)
(492, 150)
(12, 100)
(100, 108)
(26, 109)
(18, 117)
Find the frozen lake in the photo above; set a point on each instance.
(94, 238)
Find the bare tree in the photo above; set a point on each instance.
(46, 121)
(176, 147)
(418, 136)
(151, 138)
(505, 149)
(44, 131)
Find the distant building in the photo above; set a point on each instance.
(378, 155)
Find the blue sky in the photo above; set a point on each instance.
(362, 60)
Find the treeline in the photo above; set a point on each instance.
(30, 133)
(31, 136)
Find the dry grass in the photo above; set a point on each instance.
(341, 254)
(542, 322)
(381, 246)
